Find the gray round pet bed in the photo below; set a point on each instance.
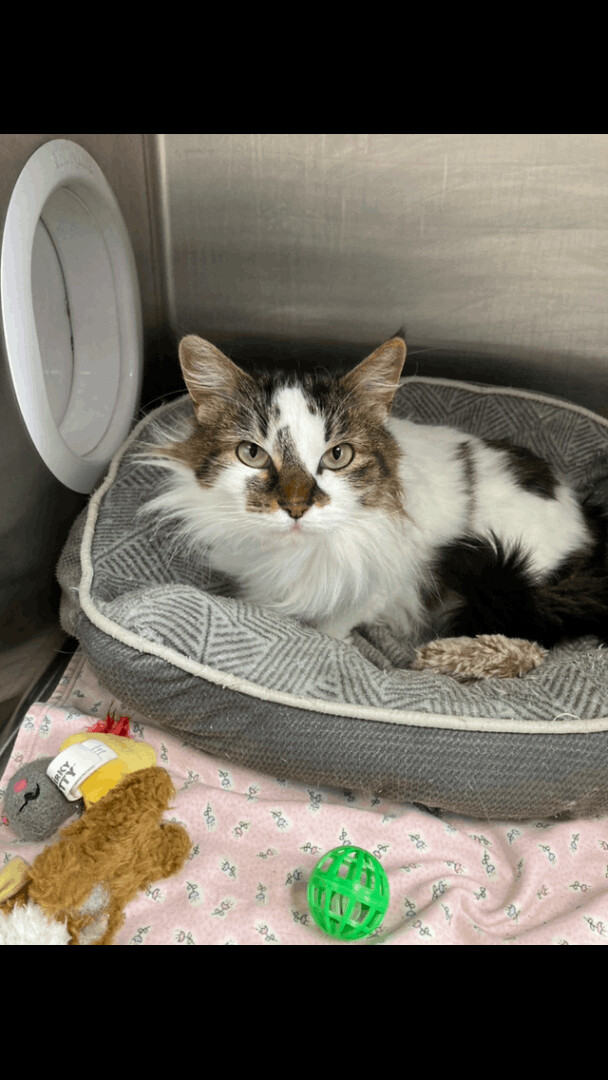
(166, 636)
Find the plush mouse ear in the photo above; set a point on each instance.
(375, 379)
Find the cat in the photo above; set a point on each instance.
(322, 506)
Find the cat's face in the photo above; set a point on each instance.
(299, 456)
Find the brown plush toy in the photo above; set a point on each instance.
(99, 862)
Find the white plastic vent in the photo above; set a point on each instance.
(71, 312)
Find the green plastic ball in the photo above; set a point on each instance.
(348, 893)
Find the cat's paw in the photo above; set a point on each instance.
(487, 656)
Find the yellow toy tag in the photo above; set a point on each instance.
(74, 764)
(130, 756)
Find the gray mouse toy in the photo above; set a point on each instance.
(34, 806)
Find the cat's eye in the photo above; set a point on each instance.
(338, 457)
(251, 454)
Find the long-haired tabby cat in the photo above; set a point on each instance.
(323, 506)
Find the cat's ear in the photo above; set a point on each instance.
(212, 379)
(377, 377)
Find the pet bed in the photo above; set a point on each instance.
(256, 838)
(165, 635)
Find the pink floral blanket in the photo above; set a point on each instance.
(255, 840)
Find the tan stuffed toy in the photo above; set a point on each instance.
(97, 865)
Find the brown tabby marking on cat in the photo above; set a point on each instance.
(465, 455)
(227, 410)
(370, 389)
(359, 410)
(231, 407)
(286, 485)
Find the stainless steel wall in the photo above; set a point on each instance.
(492, 249)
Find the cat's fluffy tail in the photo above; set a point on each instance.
(496, 592)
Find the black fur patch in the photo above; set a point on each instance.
(530, 471)
(207, 471)
(497, 592)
